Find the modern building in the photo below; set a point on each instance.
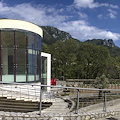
(20, 51)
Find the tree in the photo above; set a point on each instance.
(113, 68)
(45, 48)
(117, 61)
(71, 50)
(92, 60)
(101, 83)
(58, 58)
(64, 58)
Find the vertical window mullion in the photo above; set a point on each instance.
(35, 57)
(39, 60)
(26, 58)
(14, 58)
(32, 59)
(1, 52)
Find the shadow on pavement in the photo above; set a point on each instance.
(111, 118)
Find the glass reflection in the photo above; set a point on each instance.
(20, 38)
(7, 39)
(20, 56)
(20, 61)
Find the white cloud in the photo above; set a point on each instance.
(38, 14)
(42, 15)
(85, 3)
(91, 4)
(108, 5)
(112, 14)
(81, 30)
(112, 11)
(100, 16)
(82, 15)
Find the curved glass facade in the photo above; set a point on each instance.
(20, 56)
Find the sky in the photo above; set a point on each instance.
(83, 19)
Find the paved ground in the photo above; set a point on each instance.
(113, 107)
(111, 118)
(59, 106)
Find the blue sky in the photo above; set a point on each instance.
(83, 19)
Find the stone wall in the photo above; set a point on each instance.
(61, 83)
(80, 83)
(69, 116)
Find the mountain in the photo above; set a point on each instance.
(104, 42)
(52, 34)
(109, 44)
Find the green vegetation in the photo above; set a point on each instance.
(109, 44)
(80, 60)
(101, 83)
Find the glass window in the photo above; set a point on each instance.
(38, 66)
(38, 42)
(20, 61)
(7, 38)
(31, 40)
(44, 70)
(19, 50)
(20, 38)
(38, 62)
(8, 60)
(31, 63)
(31, 60)
(8, 64)
(0, 57)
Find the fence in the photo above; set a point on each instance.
(86, 99)
(64, 100)
(23, 91)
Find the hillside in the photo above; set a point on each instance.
(109, 44)
(52, 34)
(104, 42)
(80, 60)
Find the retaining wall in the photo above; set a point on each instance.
(69, 116)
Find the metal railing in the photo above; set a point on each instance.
(64, 99)
(25, 91)
(97, 99)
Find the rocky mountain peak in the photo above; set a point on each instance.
(56, 33)
(109, 43)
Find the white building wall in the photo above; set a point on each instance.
(48, 68)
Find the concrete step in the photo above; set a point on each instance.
(22, 97)
(14, 100)
(13, 105)
(19, 104)
(6, 109)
